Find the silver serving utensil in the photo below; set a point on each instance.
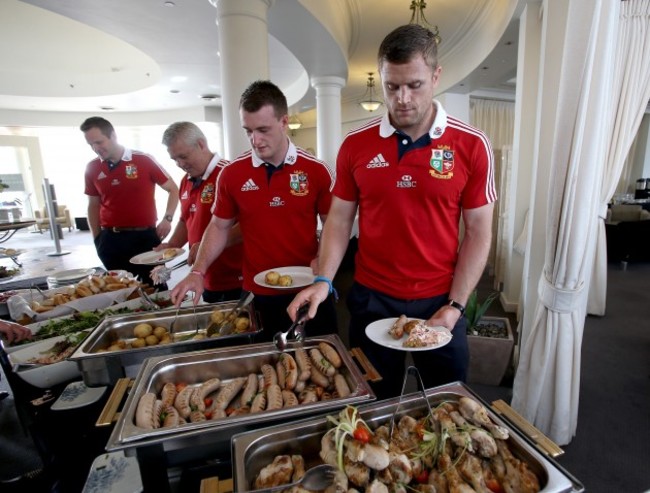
(315, 479)
(161, 273)
(172, 325)
(196, 322)
(411, 370)
(148, 302)
(280, 338)
(228, 324)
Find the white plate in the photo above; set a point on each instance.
(70, 275)
(77, 395)
(378, 332)
(114, 473)
(302, 276)
(155, 258)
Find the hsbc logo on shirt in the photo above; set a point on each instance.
(407, 181)
(276, 202)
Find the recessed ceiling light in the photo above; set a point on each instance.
(107, 108)
(174, 91)
(209, 97)
(169, 4)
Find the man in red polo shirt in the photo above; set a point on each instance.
(188, 146)
(120, 184)
(412, 175)
(276, 192)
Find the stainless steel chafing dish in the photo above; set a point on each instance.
(253, 450)
(106, 368)
(212, 438)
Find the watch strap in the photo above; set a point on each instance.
(169, 217)
(457, 305)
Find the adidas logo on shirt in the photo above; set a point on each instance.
(249, 186)
(377, 162)
(101, 175)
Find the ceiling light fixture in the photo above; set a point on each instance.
(417, 17)
(370, 102)
(294, 122)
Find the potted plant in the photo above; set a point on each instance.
(490, 342)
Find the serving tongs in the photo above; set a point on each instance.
(411, 370)
(298, 329)
(161, 274)
(227, 326)
(149, 303)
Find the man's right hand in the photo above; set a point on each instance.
(192, 282)
(314, 295)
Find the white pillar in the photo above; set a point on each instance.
(243, 44)
(328, 117)
(528, 59)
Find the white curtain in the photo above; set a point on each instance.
(547, 383)
(495, 118)
(632, 92)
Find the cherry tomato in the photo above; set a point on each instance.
(207, 401)
(208, 415)
(180, 386)
(494, 486)
(362, 434)
(423, 477)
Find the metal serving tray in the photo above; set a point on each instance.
(253, 450)
(212, 438)
(106, 368)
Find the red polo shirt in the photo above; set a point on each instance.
(133, 181)
(196, 211)
(409, 208)
(277, 215)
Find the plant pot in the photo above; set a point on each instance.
(489, 357)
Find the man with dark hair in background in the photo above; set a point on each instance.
(120, 184)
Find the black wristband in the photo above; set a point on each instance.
(457, 305)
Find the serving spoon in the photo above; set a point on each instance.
(315, 479)
(280, 338)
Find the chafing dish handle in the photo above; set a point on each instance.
(214, 485)
(371, 373)
(109, 414)
(547, 446)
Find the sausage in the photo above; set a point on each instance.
(304, 364)
(341, 385)
(197, 416)
(208, 387)
(273, 397)
(291, 371)
(145, 413)
(182, 401)
(269, 374)
(259, 402)
(170, 417)
(330, 354)
(289, 399)
(281, 373)
(196, 402)
(83, 291)
(228, 392)
(300, 386)
(320, 362)
(298, 467)
(241, 410)
(318, 378)
(218, 413)
(168, 394)
(250, 389)
(307, 396)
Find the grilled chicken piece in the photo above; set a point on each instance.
(377, 487)
(277, 473)
(447, 426)
(518, 478)
(400, 468)
(340, 483)
(484, 443)
(477, 414)
(357, 473)
(438, 480)
(455, 483)
(328, 449)
(470, 469)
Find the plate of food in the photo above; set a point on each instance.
(157, 257)
(406, 334)
(7, 272)
(285, 277)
